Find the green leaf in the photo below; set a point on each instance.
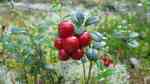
(97, 36)
(78, 17)
(98, 64)
(28, 60)
(133, 35)
(17, 30)
(98, 45)
(92, 20)
(105, 73)
(40, 39)
(91, 54)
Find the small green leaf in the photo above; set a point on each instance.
(98, 45)
(92, 20)
(97, 36)
(105, 73)
(91, 54)
(79, 18)
(17, 30)
(98, 64)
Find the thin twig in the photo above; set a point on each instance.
(89, 73)
(83, 65)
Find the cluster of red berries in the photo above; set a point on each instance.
(69, 43)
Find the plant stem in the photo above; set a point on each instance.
(89, 73)
(83, 65)
(35, 79)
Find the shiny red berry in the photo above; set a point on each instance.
(78, 54)
(66, 28)
(70, 44)
(58, 43)
(85, 39)
(63, 56)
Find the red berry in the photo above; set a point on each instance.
(63, 55)
(58, 43)
(107, 62)
(85, 39)
(70, 44)
(78, 54)
(66, 28)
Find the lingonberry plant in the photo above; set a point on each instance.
(76, 42)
